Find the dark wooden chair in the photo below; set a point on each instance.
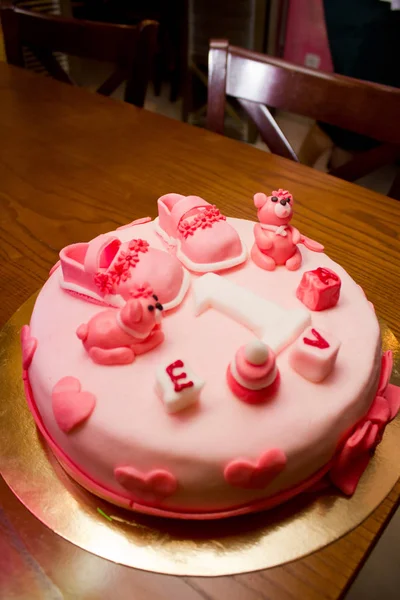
(171, 56)
(257, 81)
(130, 48)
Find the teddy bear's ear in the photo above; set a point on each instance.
(259, 199)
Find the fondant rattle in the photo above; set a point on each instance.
(253, 375)
(275, 240)
(117, 336)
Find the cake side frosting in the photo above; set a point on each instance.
(277, 444)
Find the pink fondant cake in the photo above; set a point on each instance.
(198, 366)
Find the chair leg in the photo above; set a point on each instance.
(187, 100)
(315, 143)
(339, 157)
(158, 74)
(175, 79)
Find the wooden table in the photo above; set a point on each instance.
(73, 165)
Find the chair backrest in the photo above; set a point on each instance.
(257, 80)
(131, 48)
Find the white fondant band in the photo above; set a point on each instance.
(181, 294)
(129, 331)
(277, 229)
(168, 239)
(253, 385)
(116, 300)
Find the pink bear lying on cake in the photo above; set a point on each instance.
(275, 240)
(116, 336)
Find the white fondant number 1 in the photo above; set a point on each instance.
(274, 325)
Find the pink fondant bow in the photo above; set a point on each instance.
(354, 456)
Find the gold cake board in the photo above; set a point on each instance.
(230, 546)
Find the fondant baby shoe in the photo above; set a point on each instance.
(204, 240)
(107, 270)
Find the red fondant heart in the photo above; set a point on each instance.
(151, 486)
(28, 345)
(245, 474)
(71, 407)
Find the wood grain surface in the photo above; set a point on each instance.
(73, 165)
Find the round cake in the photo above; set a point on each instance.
(199, 366)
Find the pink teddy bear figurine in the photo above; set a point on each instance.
(275, 240)
(116, 337)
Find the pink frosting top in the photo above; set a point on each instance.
(130, 429)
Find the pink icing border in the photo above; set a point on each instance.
(314, 482)
(86, 481)
(28, 346)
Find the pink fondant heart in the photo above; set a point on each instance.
(152, 486)
(71, 407)
(28, 346)
(245, 474)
